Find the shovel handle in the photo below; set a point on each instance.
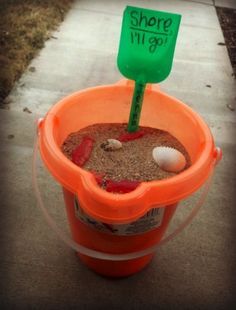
(136, 106)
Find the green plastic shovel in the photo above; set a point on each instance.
(146, 51)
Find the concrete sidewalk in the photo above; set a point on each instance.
(195, 271)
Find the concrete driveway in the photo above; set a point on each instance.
(194, 271)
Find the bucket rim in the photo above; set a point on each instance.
(143, 194)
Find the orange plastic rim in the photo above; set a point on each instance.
(111, 104)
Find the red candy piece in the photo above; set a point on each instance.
(130, 136)
(82, 152)
(122, 187)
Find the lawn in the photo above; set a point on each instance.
(25, 25)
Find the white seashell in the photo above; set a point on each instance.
(111, 145)
(169, 159)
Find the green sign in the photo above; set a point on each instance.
(146, 51)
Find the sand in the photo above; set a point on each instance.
(133, 161)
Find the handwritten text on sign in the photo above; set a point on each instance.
(152, 32)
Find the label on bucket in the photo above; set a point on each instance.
(152, 219)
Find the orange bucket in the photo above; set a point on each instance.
(123, 223)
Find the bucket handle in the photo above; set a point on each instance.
(108, 256)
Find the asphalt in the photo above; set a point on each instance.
(194, 271)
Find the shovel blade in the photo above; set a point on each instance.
(147, 44)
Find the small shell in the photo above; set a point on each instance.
(169, 159)
(111, 145)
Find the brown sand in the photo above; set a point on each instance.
(133, 161)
